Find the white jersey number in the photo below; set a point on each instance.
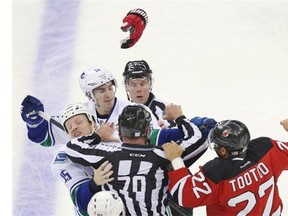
(197, 190)
(251, 198)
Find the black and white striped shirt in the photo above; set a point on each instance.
(140, 171)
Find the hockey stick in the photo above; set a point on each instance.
(50, 119)
(177, 208)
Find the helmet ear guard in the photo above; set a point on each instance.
(88, 94)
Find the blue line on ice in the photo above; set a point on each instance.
(36, 190)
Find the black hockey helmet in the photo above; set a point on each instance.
(233, 135)
(137, 69)
(134, 121)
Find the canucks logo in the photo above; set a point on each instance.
(60, 158)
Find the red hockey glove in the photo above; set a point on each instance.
(134, 22)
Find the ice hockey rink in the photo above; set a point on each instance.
(221, 59)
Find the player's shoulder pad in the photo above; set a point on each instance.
(215, 170)
(259, 147)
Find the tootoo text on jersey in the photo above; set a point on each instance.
(247, 178)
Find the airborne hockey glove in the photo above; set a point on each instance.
(134, 22)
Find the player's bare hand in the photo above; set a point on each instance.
(102, 175)
(172, 112)
(284, 123)
(105, 131)
(172, 150)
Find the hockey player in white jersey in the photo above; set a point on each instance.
(82, 181)
(136, 161)
(77, 121)
(99, 85)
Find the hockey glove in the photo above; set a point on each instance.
(134, 22)
(30, 107)
(204, 124)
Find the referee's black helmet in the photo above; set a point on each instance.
(134, 121)
(137, 69)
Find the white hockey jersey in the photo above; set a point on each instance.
(56, 135)
(71, 174)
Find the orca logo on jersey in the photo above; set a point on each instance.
(60, 158)
(137, 155)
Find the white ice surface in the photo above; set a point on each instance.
(222, 59)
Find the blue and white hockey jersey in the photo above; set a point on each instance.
(55, 135)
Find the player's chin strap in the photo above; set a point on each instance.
(97, 105)
(101, 107)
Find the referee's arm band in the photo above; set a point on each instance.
(177, 163)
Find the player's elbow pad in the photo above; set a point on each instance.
(168, 135)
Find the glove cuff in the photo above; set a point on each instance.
(141, 13)
(34, 125)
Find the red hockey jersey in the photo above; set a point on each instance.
(235, 186)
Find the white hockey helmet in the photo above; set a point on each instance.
(93, 78)
(105, 203)
(73, 110)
